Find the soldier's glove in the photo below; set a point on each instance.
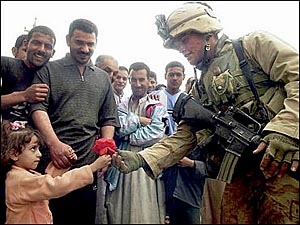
(280, 153)
(130, 161)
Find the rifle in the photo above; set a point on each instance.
(238, 130)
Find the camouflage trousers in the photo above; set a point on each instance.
(251, 200)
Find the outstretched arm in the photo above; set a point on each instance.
(159, 156)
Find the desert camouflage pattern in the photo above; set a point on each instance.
(275, 69)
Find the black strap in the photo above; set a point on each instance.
(237, 44)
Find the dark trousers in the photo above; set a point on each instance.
(77, 207)
(181, 212)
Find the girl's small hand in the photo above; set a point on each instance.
(72, 156)
(102, 162)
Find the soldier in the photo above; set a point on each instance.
(264, 187)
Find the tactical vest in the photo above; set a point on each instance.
(223, 84)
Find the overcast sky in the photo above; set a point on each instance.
(127, 29)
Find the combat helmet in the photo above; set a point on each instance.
(191, 16)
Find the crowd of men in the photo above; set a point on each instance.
(165, 168)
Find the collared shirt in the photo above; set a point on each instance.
(77, 105)
(118, 97)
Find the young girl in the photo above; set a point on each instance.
(27, 191)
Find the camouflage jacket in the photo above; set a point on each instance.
(275, 69)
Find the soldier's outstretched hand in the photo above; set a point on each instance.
(127, 161)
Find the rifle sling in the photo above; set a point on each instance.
(237, 45)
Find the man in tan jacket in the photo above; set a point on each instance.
(264, 187)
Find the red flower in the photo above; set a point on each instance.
(105, 146)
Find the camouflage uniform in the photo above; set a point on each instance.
(250, 198)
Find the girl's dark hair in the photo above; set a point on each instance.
(14, 141)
